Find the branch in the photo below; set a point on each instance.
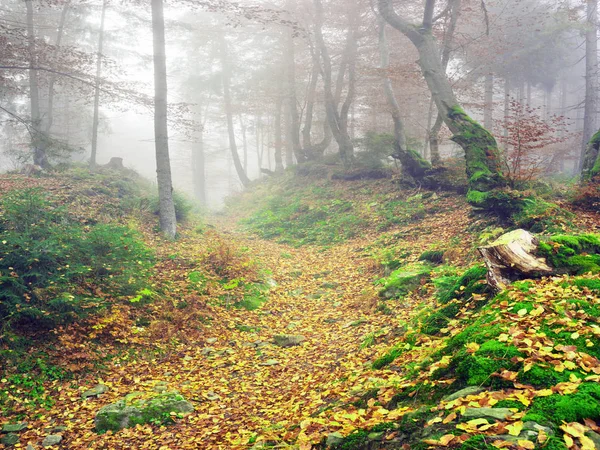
(45, 69)
(444, 12)
(386, 9)
(31, 130)
(486, 17)
(428, 14)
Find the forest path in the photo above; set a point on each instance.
(245, 388)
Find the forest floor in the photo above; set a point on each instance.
(247, 391)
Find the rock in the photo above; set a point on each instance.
(287, 340)
(53, 439)
(531, 425)
(512, 257)
(206, 351)
(330, 285)
(292, 325)
(160, 387)
(334, 439)
(212, 396)
(487, 413)
(126, 412)
(9, 439)
(269, 362)
(595, 437)
(376, 436)
(13, 427)
(471, 390)
(97, 390)
(59, 429)
(29, 447)
(211, 340)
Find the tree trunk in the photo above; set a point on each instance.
(411, 161)
(506, 111)
(591, 159)
(294, 123)
(97, 88)
(278, 133)
(591, 80)
(454, 6)
(340, 134)
(39, 140)
(481, 149)
(199, 164)
(168, 221)
(244, 141)
(488, 109)
(229, 113)
(59, 35)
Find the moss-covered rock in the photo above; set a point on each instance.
(471, 282)
(402, 281)
(575, 254)
(583, 404)
(127, 413)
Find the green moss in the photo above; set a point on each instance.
(538, 216)
(434, 256)
(592, 284)
(479, 442)
(402, 281)
(575, 254)
(360, 438)
(511, 404)
(584, 404)
(481, 151)
(388, 358)
(477, 198)
(543, 377)
(471, 282)
(528, 306)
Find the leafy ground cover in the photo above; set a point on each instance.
(283, 345)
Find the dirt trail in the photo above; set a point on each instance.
(240, 384)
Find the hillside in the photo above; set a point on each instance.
(311, 314)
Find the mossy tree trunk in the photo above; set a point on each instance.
(591, 159)
(412, 163)
(481, 150)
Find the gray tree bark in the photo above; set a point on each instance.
(481, 150)
(591, 81)
(336, 122)
(168, 222)
(229, 113)
(488, 109)
(97, 88)
(39, 141)
(411, 161)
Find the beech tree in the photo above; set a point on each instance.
(481, 150)
(168, 221)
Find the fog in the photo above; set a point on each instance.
(305, 84)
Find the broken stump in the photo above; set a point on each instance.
(512, 257)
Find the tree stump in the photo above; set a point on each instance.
(512, 257)
(114, 163)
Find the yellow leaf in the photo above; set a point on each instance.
(570, 365)
(537, 311)
(544, 393)
(587, 443)
(472, 347)
(523, 399)
(514, 429)
(542, 437)
(435, 420)
(568, 440)
(523, 443)
(503, 337)
(575, 335)
(575, 429)
(476, 422)
(450, 418)
(522, 312)
(446, 439)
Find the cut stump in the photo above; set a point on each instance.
(512, 257)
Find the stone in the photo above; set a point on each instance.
(487, 413)
(269, 362)
(212, 396)
(13, 427)
(59, 429)
(53, 439)
(97, 390)
(376, 436)
(471, 390)
(595, 437)
(161, 387)
(211, 340)
(206, 351)
(531, 425)
(9, 439)
(130, 412)
(287, 340)
(330, 285)
(334, 439)
(29, 447)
